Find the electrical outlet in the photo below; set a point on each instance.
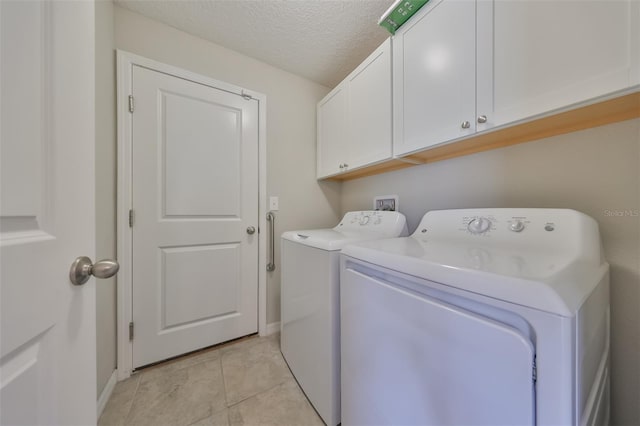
(385, 202)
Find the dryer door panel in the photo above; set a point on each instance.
(409, 359)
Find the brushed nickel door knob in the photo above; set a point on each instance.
(82, 268)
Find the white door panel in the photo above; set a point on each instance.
(537, 56)
(195, 192)
(332, 132)
(408, 359)
(47, 325)
(434, 76)
(369, 111)
(194, 165)
(187, 297)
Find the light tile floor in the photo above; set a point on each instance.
(242, 383)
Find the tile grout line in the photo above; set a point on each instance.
(209, 414)
(133, 397)
(130, 403)
(224, 383)
(261, 392)
(224, 388)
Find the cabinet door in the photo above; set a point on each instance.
(332, 132)
(369, 109)
(536, 56)
(434, 76)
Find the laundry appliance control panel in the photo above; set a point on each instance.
(481, 225)
(531, 230)
(375, 220)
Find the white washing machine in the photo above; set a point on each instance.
(489, 316)
(310, 309)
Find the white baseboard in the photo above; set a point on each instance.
(272, 327)
(106, 392)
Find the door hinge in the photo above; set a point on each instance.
(131, 331)
(246, 96)
(535, 371)
(131, 218)
(130, 103)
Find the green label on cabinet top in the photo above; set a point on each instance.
(399, 12)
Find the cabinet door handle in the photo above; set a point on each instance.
(345, 165)
(341, 166)
(465, 125)
(482, 119)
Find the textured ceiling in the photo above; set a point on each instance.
(322, 40)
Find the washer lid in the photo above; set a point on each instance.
(328, 239)
(550, 270)
(354, 227)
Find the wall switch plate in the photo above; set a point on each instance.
(386, 202)
(273, 203)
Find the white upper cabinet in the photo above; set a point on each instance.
(538, 56)
(465, 66)
(369, 109)
(332, 131)
(354, 119)
(434, 63)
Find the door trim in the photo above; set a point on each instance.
(125, 63)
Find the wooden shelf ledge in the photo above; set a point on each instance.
(600, 113)
(375, 169)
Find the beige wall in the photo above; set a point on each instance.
(291, 120)
(592, 171)
(105, 189)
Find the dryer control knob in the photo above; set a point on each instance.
(479, 225)
(517, 226)
(364, 220)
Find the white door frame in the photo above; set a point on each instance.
(125, 63)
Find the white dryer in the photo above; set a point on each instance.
(487, 316)
(310, 309)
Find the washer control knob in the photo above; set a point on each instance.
(479, 225)
(517, 226)
(364, 220)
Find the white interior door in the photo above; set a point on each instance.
(195, 202)
(47, 326)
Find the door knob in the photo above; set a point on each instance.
(251, 230)
(82, 268)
